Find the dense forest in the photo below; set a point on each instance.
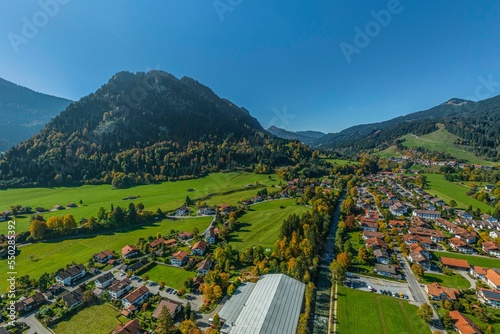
(142, 128)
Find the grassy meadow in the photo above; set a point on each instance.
(473, 260)
(453, 281)
(166, 195)
(365, 312)
(173, 277)
(447, 191)
(261, 225)
(95, 319)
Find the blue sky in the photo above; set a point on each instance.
(282, 60)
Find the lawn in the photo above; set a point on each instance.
(354, 239)
(473, 260)
(365, 312)
(341, 162)
(173, 277)
(452, 281)
(166, 195)
(47, 257)
(447, 191)
(262, 224)
(390, 152)
(95, 319)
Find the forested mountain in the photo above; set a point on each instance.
(306, 137)
(476, 123)
(24, 112)
(146, 127)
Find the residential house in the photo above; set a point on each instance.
(368, 226)
(172, 306)
(426, 242)
(468, 237)
(493, 279)
(491, 248)
(438, 292)
(73, 298)
(464, 325)
(103, 281)
(460, 246)
(184, 211)
(204, 267)
(427, 214)
(371, 234)
(397, 224)
(478, 272)
(494, 234)
(398, 209)
(119, 288)
(199, 248)
(375, 243)
(206, 211)
(155, 243)
(68, 276)
(410, 239)
(489, 218)
(211, 237)
(170, 242)
(421, 259)
(103, 256)
(137, 265)
(458, 264)
(129, 251)
(179, 258)
(435, 235)
(26, 304)
(185, 235)
(381, 255)
(489, 297)
(385, 270)
(463, 214)
(136, 297)
(131, 327)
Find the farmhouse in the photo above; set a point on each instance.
(172, 306)
(103, 256)
(455, 263)
(179, 258)
(68, 276)
(271, 306)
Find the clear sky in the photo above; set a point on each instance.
(319, 64)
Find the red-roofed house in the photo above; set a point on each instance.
(129, 251)
(464, 325)
(455, 263)
(199, 248)
(493, 279)
(179, 258)
(438, 292)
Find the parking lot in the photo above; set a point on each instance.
(376, 285)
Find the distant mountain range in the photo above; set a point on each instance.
(24, 112)
(145, 127)
(306, 137)
(476, 124)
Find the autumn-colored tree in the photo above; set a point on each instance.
(425, 313)
(165, 323)
(231, 290)
(338, 272)
(350, 222)
(69, 223)
(417, 269)
(55, 223)
(344, 260)
(38, 229)
(363, 255)
(186, 326)
(217, 292)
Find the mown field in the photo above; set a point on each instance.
(341, 162)
(365, 312)
(453, 281)
(166, 195)
(473, 260)
(95, 319)
(447, 191)
(47, 257)
(261, 225)
(173, 277)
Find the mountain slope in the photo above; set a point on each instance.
(476, 124)
(143, 127)
(306, 137)
(24, 112)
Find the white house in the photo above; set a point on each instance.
(68, 276)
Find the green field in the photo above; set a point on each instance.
(341, 162)
(47, 257)
(173, 277)
(389, 152)
(261, 225)
(95, 319)
(166, 195)
(443, 141)
(447, 191)
(473, 260)
(452, 281)
(365, 312)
